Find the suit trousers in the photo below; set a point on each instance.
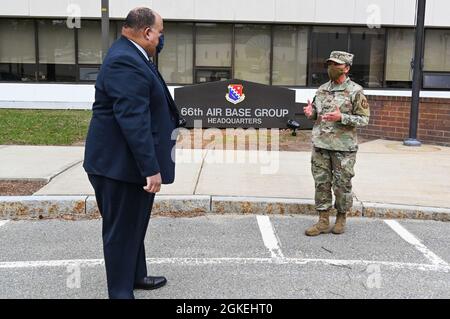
(125, 209)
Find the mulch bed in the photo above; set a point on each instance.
(20, 188)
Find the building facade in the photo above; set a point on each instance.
(48, 60)
(275, 42)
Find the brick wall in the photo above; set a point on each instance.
(389, 119)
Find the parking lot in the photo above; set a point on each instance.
(234, 256)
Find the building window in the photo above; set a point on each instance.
(17, 50)
(176, 60)
(368, 46)
(399, 53)
(203, 75)
(323, 41)
(56, 51)
(213, 52)
(437, 50)
(213, 45)
(90, 43)
(437, 59)
(382, 56)
(252, 53)
(290, 53)
(90, 48)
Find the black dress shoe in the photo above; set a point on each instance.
(149, 283)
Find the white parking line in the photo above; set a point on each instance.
(411, 239)
(240, 261)
(3, 222)
(269, 237)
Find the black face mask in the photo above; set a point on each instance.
(160, 45)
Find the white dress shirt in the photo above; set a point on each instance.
(140, 49)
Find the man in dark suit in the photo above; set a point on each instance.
(130, 149)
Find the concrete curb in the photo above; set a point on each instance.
(85, 207)
(393, 211)
(166, 205)
(43, 207)
(269, 206)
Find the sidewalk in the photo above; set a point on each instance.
(391, 181)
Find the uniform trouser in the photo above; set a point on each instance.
(125, 209)
(333, 170)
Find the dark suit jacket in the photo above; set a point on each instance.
(134, 116)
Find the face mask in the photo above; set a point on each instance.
(160, 45)
(335, 73)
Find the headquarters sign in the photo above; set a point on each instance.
(237, 103)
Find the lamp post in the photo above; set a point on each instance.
(417, 75)
(105, 27)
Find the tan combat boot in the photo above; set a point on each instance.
(339, 226)
(322, 227)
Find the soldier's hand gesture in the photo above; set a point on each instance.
(335, 116)
(308, 110)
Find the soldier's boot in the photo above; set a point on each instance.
(339, 226)
(321, 227)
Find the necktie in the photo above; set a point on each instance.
(155, 71)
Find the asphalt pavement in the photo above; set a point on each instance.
(235, 256)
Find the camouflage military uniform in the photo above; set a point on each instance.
(335, 143)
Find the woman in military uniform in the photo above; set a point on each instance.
(338, 108)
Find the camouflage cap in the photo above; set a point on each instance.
(341, 57)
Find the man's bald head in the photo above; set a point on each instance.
(139, 18)
(144, 26)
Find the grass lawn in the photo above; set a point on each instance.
(43, 127)
(69, 127)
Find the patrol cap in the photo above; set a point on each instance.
(341, 57)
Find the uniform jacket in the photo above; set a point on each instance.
(339, 136)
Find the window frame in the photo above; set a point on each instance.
(115, 25)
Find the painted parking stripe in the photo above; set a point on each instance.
(269, 237)
(3, 222)
(233, 261)
(411, 239)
